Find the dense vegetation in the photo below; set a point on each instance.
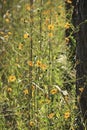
(37, 71)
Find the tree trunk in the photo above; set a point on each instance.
(79, 17)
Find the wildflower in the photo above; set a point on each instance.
(51, 115)
(31, 123)
(48, 101)
(81, 89)
(30, 63)
(6, 37)
(1, 32)
(26, 35)
(51, 27)
(20, 46)
(33, 87)
(27, 6)
(53, 91)
(9, 33)
(67, 40)
(69, 1)
(46, 12)
(47, 21)
(11, 78)
(50, 34)
(7, 20)
(26, 91)
(38, 64)
(9, 89)
(67, 115)
(43, 66)
(67, 25)
(60, 7)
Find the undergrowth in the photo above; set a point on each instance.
(37, 82)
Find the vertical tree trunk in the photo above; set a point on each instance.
(79, 17)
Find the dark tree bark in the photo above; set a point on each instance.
(79, 20)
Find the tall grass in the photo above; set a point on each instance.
(36, 78)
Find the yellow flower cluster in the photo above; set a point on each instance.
(31, 123)
(81, 89)
(46, 12)
(26, 35)
(60, 7)
(26, 91)
(20, 46)
(41, 65)
(38, 64)
(30, 63)
(53, 91)
(67, 115)
(27, 7)
(6, 37)
(9, 33)
(67, 25)
(50, 27)
(50, 34)
(7, 20)
(51, 115)
(47, 21)
(1, 32)
(11, 78)
(9, 89)
(47, 101)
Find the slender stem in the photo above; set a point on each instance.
(30, 58)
